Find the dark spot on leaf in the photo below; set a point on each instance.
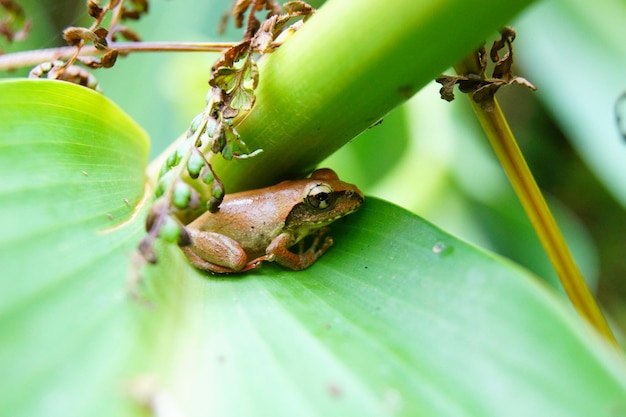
(406, 91)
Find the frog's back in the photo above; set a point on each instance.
(252, 218)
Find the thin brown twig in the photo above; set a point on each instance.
(35, 57)
(115, 18)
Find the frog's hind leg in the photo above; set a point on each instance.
(215, 252)
(205, 265)
(256, 263)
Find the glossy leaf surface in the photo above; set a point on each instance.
(72, 168)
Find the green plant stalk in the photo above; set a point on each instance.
(344, 70)
(508, 152)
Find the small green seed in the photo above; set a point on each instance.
(195, 123)
(182, 194)
(213, 205)
(170, 230)
(211, 126)
(218, 191)
(160, 189)
(173, 159)
(195, 164)
(207, 176)
(227, 152)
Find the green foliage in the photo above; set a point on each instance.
(398, 318)
(72, 168)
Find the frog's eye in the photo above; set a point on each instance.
(320, 197)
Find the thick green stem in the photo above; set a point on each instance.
(349, 65)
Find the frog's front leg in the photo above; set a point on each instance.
(278, 250)
(218, 253)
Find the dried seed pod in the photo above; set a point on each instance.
(75, 35)
(94, 8)
(109, 58)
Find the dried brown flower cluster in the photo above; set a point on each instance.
(481, 87)
(97, 35)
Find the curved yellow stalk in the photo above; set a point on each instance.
(503, 142)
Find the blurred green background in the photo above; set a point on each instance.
(434, 159)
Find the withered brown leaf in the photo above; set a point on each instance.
(481, 87)
(447, 86)
(233, 55)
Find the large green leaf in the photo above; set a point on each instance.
(72, 168)
(398, 318)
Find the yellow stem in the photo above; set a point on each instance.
(514, 164)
